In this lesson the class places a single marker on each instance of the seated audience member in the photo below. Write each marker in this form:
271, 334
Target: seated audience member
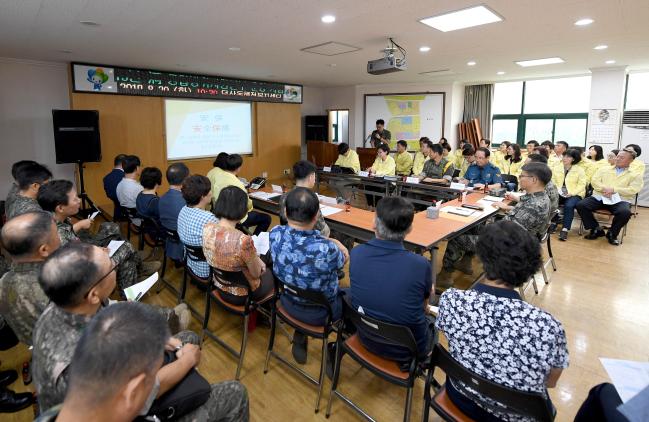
572, 184
13, 190
637, 166
446, 150
457, 155
169, 207
531, 212
498, 155
617, 183
30, 178
602, 405
493, 332
147, 201
60, 198
468, 158
403, 159
513, 161
347, 158
437, 169
129, 188
550, 188
611, 157
229, 249
384, 165
485, 143
197, 192
228, 177
111, 180
560, 148
596, 159
78, 279
217, 171
107, 384
552, 156
304, 174
482, 174
422, 155
390, 283
303, 258
530, 146
29, 239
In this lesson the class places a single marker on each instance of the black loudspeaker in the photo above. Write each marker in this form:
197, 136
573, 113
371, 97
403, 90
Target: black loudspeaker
315, 128
76, 136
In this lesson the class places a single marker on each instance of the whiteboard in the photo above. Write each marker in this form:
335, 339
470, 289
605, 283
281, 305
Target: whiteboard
407, 116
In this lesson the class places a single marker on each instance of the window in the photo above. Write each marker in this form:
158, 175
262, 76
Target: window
636, 92
338, 126
548, 109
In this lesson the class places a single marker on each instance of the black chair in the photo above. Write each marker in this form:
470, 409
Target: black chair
195, 254
134, 224
386, 369
515, 402
509, 179
312, 298
119, 214
167, 234
543, 240
232, 279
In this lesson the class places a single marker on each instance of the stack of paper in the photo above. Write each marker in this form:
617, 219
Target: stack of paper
327, 200
326, 210
136, 291
464, 212
614, 199
263, 195
629, 377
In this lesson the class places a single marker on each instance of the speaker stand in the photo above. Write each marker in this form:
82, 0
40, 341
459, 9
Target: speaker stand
84, 211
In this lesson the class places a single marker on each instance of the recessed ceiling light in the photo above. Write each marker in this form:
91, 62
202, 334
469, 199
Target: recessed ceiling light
471, 63
539, 62
500, 73
610, 62
234, 48
332, 65
584, 22
89, 23
424, 49
600, 47
460, 19
328, 19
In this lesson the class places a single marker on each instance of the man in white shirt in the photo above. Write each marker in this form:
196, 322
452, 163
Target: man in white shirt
129, 188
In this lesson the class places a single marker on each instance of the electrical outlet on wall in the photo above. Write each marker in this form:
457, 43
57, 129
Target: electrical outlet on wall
287, 171
264, 174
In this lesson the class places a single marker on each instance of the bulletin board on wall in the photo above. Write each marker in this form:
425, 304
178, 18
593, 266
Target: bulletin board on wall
408, 116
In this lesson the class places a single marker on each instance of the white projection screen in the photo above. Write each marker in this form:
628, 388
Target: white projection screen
199, 129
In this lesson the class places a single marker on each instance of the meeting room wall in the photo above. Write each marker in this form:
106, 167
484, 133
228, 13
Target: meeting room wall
312, 105
135, 125
353, 97
31, 90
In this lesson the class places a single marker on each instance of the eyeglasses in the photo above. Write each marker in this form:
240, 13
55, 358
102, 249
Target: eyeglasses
96, 283
525, 175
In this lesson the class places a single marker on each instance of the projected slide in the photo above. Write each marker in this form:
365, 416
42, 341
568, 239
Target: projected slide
197, 129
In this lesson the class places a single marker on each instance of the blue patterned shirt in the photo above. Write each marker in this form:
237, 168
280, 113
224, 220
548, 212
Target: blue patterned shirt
190, 230
305, 259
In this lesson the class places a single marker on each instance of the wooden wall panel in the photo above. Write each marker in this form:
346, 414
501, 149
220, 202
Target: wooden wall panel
135, 125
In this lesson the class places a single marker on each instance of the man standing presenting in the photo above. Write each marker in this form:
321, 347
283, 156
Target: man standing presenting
380, 135
617, 185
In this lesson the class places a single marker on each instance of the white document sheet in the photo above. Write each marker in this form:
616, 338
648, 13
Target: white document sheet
262, 243
465, 212
93, 215
614, 199
326, 210
113, 246
136, 291
490, 198
629, 377
263, 195
327, 200
277, 188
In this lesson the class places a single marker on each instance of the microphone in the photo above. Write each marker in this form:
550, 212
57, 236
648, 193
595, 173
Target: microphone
366, 139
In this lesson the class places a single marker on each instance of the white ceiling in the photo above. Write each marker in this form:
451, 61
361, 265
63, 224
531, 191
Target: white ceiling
194, 36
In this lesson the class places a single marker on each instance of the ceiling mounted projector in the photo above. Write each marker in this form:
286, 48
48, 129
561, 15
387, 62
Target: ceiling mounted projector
389, 63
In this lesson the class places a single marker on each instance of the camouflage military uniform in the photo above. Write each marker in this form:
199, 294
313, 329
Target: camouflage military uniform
128, 260
227, 402
11, 197
438, 171
22, 300
531, 212
4, 265
56, 335
553, 194
21, 205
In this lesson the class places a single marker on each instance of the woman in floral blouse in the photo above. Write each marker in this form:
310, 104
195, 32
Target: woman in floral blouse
494, 333
229, 249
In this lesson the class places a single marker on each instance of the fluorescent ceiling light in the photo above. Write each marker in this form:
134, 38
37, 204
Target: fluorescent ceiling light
600, 47
471, 63
539, 62
424, 49
584, 22
328, 19
500, 73
234, 48
610, 61
465, 18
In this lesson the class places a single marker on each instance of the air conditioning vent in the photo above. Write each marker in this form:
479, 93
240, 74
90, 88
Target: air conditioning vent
636, 117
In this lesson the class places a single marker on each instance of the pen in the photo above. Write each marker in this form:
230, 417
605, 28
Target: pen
139, 295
